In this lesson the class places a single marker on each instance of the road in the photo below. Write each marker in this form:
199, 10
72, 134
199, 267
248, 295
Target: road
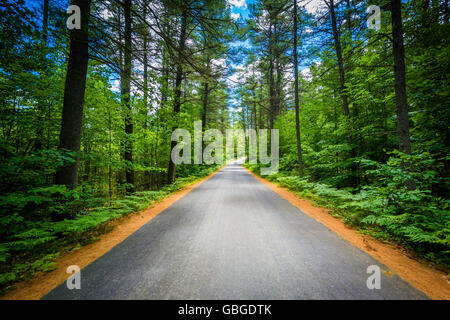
232, 237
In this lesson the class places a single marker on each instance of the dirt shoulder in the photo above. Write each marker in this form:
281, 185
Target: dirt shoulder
43, 283
434, 283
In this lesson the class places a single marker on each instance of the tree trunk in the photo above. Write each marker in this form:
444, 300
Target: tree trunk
110, 156
271, 80
205, 90
147, 176
338, 48
349, 21
254, 112
205, 104
446, 11
297, 108
261, 98
126, 98
400, 78
145, 109
345, 104
75, 85
177, 91
38, 143
278, 88
45, 24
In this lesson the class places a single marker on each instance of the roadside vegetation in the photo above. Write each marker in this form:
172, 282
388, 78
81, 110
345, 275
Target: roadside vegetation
41, 223
385, 208
364, 129
86, 116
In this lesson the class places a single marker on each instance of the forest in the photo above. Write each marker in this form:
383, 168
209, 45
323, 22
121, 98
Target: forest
87, 112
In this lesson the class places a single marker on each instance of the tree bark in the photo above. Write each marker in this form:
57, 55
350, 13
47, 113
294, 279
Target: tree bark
342, 82
177, 91
45, 24
297, 108
38, 143
446, 11
338, 48
278, 70
145, 109
349, 21
400, 78
205, 90
205, 104
74, 90
271, 80
126, 98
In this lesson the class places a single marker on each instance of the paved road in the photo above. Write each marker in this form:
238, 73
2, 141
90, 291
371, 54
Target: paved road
233, 238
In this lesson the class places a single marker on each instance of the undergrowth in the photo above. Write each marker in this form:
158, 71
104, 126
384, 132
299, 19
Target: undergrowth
386, 208
37, 225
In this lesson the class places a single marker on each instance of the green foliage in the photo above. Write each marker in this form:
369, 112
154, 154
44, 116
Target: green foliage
21, 270
349, 158
37, 217
31, 239
22, 172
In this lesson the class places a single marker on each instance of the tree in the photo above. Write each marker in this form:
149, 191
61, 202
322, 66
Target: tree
340, 59
72, 115
126, 97
297, 111
342, 78
178, 82
398, 50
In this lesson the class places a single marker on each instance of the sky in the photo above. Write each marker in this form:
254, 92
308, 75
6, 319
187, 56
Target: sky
239, 8
240, 11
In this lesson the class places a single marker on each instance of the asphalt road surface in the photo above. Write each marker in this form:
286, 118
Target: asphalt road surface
233, 238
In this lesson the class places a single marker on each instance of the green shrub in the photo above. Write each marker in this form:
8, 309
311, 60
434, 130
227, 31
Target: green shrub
35, 224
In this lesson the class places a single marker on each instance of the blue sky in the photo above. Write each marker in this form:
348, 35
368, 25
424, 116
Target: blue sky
239, 8
239, 11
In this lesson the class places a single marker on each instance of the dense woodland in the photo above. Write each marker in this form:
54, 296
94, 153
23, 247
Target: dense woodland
87, 114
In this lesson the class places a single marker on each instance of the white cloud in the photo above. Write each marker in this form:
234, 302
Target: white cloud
235, 16
219, 65
234, 79
190, 42
306, 74
252, 69
314, 6
237, 3
115, 85
106, 14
